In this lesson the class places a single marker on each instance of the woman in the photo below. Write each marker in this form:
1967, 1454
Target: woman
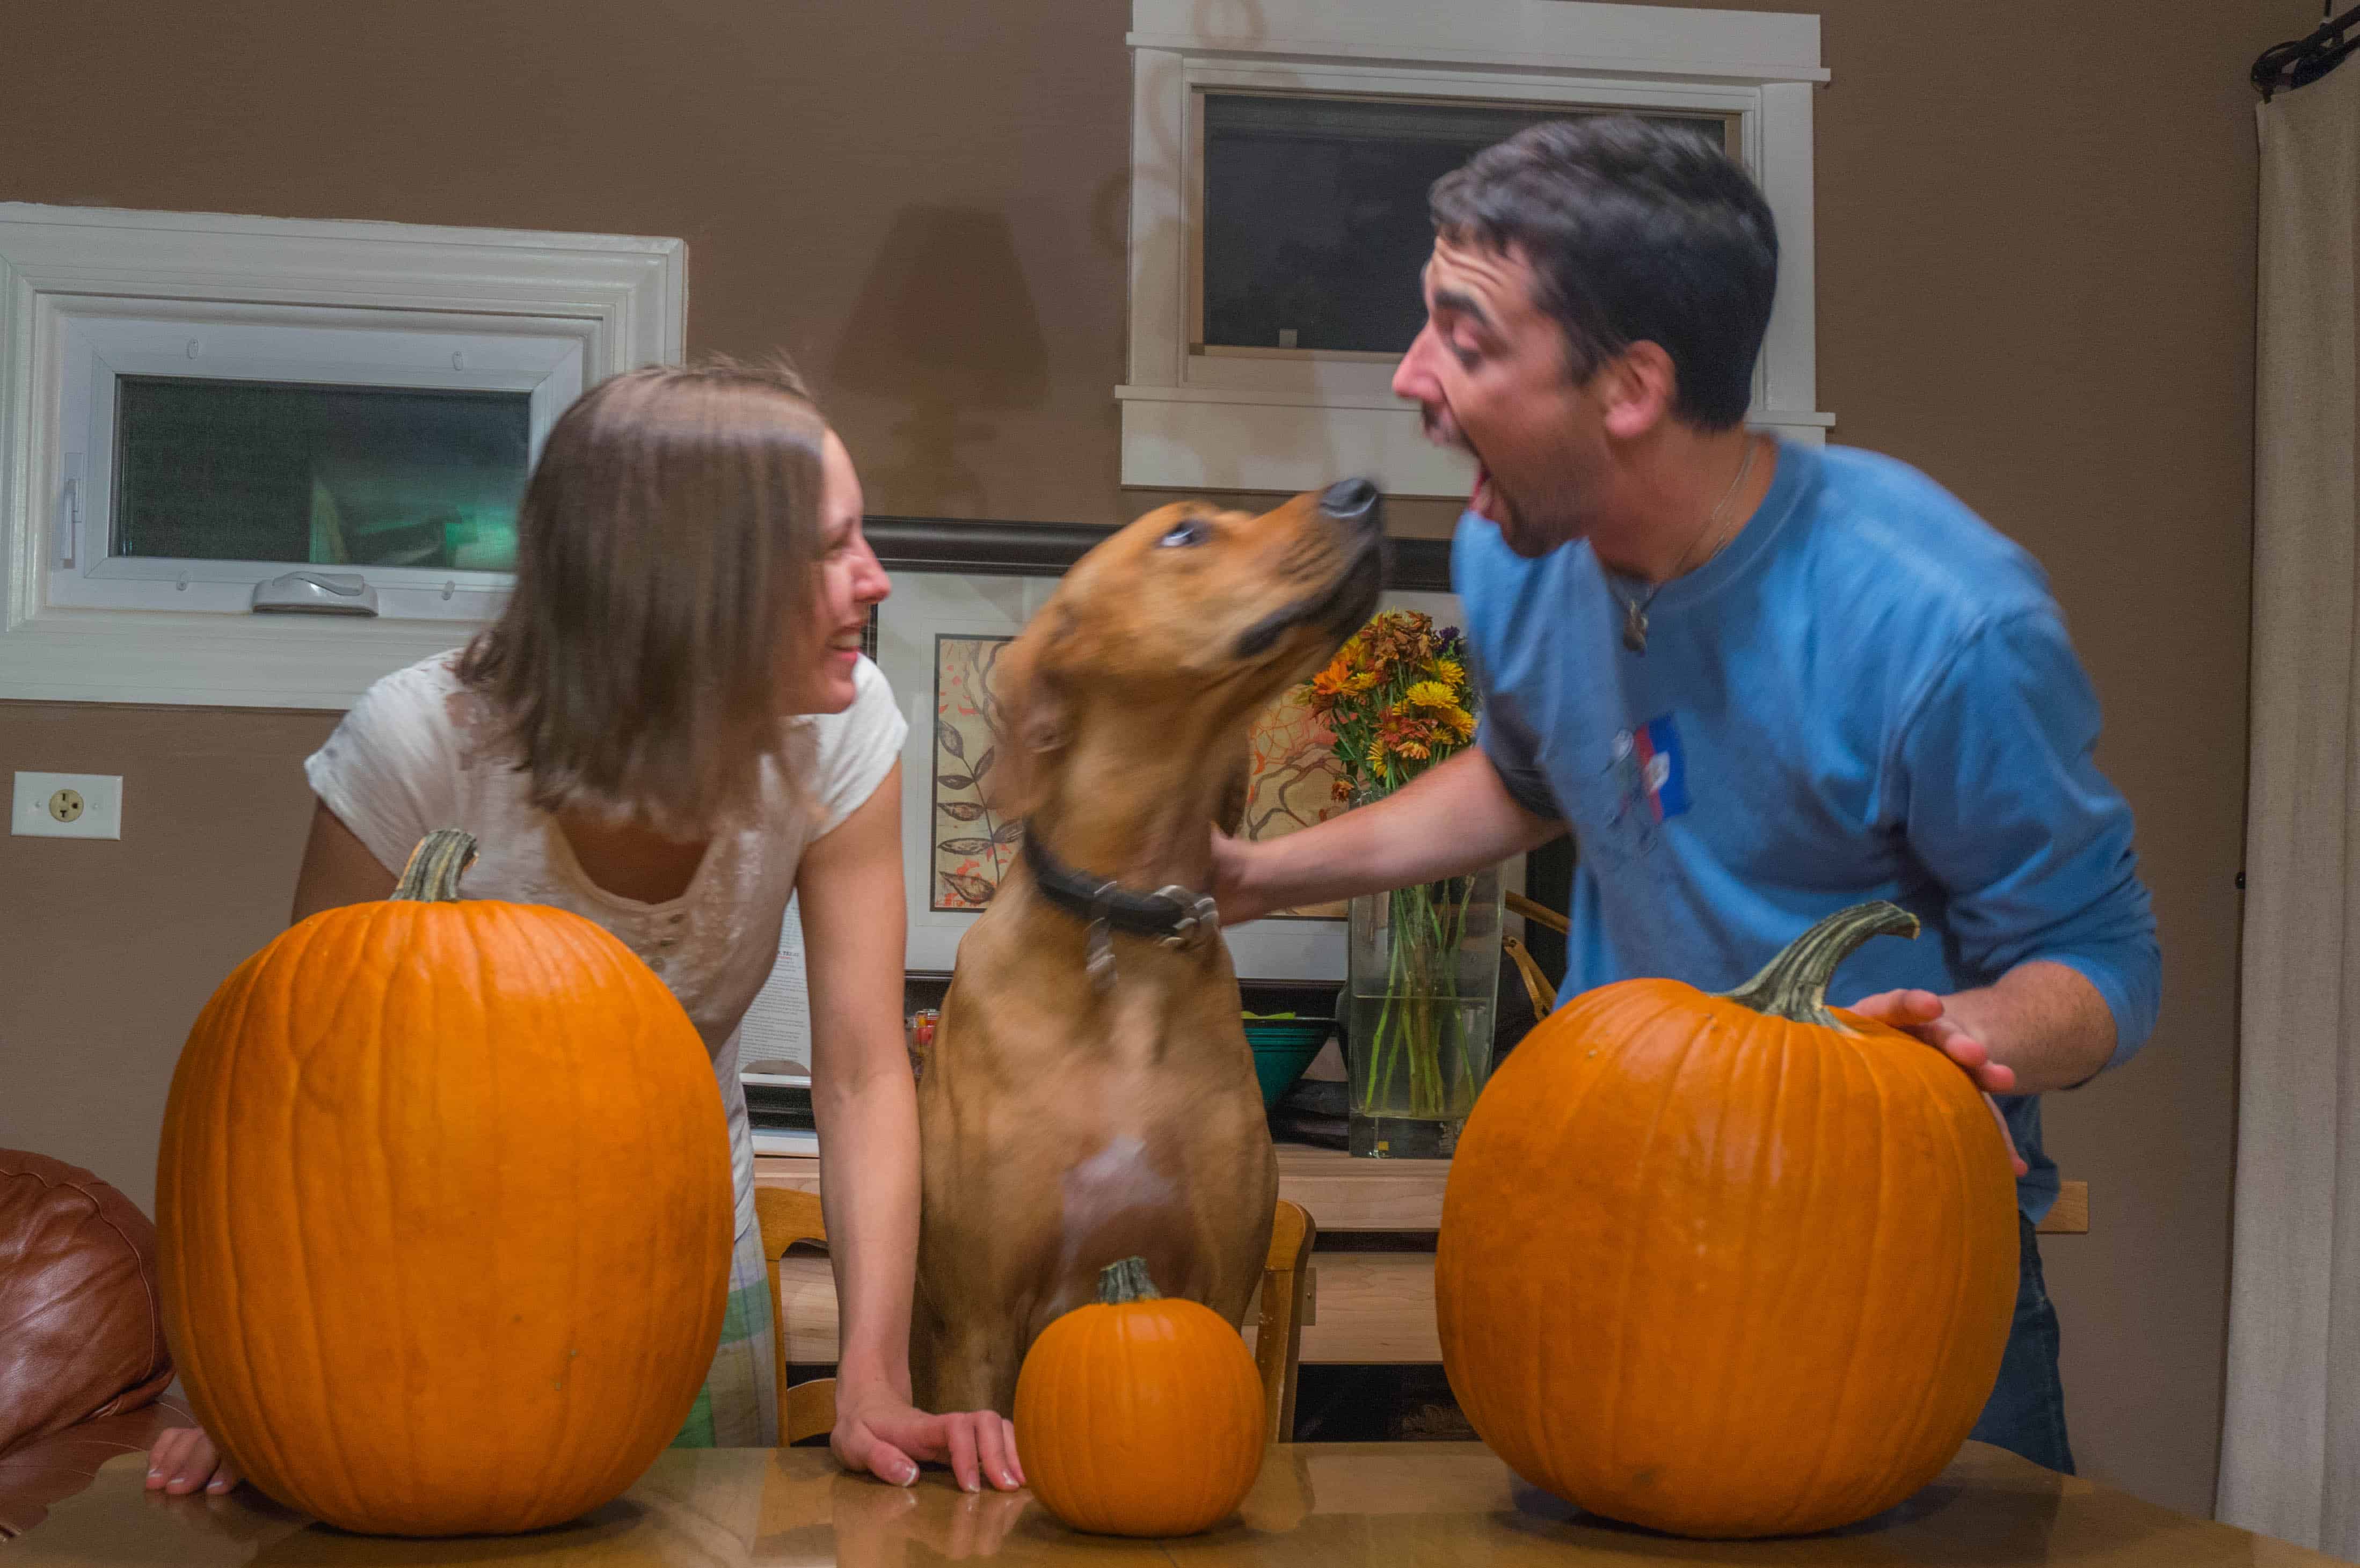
669, 730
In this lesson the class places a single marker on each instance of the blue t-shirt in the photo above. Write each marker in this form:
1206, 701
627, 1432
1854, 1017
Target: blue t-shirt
1868, 694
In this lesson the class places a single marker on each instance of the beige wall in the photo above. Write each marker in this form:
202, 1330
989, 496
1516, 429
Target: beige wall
2035, 281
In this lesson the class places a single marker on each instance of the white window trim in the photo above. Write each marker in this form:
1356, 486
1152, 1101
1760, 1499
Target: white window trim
597, 304
1193, 420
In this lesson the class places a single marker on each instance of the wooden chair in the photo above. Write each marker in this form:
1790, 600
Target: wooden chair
791, 1217
1278, 1327
1536, 985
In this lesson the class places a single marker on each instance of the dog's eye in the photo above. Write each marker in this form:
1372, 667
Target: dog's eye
1183, 534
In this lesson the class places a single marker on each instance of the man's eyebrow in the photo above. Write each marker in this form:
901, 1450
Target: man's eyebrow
1466, 304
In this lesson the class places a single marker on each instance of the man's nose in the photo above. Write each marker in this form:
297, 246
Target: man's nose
1412, 379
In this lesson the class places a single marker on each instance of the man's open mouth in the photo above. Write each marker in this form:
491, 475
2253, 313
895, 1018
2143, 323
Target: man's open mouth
1484, 500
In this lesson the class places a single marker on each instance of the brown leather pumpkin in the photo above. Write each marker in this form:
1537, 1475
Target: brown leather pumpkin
80, 1334
445, 1210
1728, 1266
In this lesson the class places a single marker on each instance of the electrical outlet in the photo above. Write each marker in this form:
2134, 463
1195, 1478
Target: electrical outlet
68, 805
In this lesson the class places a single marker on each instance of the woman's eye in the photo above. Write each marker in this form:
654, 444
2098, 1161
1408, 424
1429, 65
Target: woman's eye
1182, 535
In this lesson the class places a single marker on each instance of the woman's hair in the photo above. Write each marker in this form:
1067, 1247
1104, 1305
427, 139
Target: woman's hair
667, 539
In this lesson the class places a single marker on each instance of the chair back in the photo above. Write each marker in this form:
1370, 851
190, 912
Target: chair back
791, 1217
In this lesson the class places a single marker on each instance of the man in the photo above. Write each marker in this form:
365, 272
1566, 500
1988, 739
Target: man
1758, 682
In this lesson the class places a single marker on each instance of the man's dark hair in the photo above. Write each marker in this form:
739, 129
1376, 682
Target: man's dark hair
1636, 230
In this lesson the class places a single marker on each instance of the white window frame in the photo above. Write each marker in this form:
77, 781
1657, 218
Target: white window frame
328, 347
1283, 420
88, 295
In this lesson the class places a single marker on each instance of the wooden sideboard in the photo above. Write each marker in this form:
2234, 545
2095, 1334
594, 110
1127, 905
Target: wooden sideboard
1371, 1295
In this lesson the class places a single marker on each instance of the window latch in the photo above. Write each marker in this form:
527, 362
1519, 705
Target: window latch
70, 513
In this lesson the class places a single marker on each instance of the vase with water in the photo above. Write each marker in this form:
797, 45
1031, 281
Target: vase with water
1423, 977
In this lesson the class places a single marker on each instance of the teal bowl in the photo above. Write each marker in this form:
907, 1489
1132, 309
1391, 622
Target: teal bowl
1283, 1048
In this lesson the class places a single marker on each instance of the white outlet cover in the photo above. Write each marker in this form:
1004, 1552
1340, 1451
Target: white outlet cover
102, 808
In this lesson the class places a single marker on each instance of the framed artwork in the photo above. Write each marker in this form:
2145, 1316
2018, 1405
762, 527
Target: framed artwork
961, 592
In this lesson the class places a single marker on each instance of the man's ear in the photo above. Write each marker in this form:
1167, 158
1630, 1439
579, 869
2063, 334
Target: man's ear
1636, 389
1029, 713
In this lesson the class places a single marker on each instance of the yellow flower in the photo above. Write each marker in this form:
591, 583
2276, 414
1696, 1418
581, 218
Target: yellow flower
1361, 683
1449, 671
1376, 757
1415, 750
1430, 694
1460, 720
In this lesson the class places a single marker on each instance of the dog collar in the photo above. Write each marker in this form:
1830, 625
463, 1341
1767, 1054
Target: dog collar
1178, 917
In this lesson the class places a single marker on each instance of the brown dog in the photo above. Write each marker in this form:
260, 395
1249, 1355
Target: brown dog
1089, 1095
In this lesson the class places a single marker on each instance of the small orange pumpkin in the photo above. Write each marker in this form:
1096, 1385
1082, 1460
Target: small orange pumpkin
444, 1211
1728, 1266
1140, 1414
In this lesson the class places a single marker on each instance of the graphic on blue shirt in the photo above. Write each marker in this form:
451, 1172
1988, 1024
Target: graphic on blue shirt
1651, 773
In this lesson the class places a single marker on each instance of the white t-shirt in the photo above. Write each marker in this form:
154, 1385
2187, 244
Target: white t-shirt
420, 751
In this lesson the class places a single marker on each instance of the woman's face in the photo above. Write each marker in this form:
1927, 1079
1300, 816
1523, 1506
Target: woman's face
824, 646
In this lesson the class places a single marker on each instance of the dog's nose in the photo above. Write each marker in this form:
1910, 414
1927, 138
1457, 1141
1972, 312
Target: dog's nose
1350, 501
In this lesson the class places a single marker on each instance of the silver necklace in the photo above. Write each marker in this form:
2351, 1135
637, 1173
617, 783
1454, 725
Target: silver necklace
1634, 611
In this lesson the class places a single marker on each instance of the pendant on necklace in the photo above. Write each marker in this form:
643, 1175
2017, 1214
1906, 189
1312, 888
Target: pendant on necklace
1635, 627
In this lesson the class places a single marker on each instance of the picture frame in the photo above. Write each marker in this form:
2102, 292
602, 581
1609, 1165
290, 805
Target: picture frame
962, 589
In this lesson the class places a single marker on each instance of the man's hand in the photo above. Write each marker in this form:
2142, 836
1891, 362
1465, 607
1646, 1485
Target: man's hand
183, 1459
889, 1437
1922, 1013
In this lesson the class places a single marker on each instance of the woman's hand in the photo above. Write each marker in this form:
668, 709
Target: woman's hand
184, 1459
889, 1437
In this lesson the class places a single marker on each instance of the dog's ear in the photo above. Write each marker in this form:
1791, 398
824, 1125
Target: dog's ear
1229, 816
1025, 702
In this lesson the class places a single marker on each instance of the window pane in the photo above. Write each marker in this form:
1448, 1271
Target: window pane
1314, 213
215, 470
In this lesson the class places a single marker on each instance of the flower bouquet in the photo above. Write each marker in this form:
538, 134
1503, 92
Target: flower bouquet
1424, 961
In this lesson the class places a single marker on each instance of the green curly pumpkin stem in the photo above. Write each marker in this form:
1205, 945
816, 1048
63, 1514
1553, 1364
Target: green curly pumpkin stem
1127, 1281
435, 867
1794, 985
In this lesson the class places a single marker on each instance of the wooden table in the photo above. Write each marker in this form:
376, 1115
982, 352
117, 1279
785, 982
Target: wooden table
1395, 1505
1365, 1307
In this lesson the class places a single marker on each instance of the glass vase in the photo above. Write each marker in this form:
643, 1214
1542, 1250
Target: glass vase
1424, 976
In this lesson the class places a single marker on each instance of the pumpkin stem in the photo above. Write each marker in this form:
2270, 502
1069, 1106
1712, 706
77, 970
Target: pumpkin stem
1794, 985
435, 867
1127, 1281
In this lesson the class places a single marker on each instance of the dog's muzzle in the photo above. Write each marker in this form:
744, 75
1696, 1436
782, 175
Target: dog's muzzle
1351, 596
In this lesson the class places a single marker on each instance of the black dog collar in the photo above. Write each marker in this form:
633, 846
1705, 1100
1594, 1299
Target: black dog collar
1178, 917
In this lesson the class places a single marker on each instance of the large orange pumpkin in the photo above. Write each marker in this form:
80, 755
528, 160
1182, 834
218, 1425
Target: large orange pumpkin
444, 1211
1138, 1414
1728, 1266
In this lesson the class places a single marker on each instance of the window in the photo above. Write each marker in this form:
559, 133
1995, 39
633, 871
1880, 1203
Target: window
201, 459
329, 475
1279, 209
1314, 216
204, 404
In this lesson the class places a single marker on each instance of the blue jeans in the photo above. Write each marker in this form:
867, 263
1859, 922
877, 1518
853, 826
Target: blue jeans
2026, 1413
